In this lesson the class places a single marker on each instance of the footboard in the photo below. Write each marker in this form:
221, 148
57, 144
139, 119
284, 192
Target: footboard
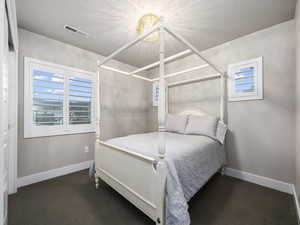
139, 178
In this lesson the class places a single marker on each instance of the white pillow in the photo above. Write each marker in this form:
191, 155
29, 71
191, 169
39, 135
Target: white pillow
176, 123
202, 125
221, 132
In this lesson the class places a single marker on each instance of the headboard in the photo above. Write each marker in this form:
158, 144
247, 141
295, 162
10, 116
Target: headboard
193, 112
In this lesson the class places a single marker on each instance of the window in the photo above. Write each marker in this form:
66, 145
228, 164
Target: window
245, 80
58, 99
155, 93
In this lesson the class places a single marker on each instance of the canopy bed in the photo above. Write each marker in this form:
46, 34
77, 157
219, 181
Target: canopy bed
156, 181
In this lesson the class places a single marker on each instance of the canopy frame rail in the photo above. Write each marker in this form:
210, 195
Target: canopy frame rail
168, 59
131, 43
188, 81
182, 72
192, 48
126, 73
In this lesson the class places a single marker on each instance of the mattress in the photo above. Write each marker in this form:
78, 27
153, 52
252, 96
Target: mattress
191, 161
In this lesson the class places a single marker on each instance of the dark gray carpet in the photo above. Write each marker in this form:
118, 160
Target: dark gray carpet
73, 200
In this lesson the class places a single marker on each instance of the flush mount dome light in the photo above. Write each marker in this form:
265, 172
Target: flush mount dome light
146, 22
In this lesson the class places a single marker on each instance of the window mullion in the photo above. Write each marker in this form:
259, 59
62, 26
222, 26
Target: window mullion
66, 103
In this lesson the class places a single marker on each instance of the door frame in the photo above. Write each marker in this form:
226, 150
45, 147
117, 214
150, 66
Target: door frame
13, 100
13, 123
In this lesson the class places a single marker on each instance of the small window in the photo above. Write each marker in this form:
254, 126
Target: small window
58, 99
245, 80
155, 93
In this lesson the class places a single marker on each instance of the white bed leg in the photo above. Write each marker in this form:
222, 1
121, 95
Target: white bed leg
97, 181
161, 191
223, 170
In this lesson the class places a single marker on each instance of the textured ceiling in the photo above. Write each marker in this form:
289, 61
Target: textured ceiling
112, 23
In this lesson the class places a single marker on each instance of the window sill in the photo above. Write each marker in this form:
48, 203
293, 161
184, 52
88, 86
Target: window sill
57, 133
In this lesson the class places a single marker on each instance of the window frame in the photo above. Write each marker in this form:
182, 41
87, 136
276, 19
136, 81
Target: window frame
31, 130
155, 93
258, 94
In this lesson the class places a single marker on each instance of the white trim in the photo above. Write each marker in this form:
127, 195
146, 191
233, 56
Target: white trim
30, 130
13, 122
260, 180
296, 203
59, 66
4, 100
42, 176
258, 94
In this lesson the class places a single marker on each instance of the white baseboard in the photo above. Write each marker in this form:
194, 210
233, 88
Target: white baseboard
296, 203
38, 177
260, 180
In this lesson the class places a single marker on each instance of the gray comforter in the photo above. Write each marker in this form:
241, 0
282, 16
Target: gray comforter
191, 160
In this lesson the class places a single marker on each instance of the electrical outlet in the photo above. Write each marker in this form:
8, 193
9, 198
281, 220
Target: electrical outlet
86, 149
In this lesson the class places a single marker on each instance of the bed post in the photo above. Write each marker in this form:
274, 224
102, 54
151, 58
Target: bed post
161, 164
98, 105
223, 100
222, 97
167, 97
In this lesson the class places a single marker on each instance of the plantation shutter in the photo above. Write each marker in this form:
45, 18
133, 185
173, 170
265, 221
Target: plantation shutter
48, 98
80, 100
246, 80
58, 100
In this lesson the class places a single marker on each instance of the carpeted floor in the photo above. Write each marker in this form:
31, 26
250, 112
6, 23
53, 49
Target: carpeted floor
73, 200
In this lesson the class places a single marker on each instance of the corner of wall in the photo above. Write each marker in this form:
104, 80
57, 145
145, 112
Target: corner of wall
297, 113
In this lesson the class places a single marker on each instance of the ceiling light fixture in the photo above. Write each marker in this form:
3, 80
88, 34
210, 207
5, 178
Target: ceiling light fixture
146, 22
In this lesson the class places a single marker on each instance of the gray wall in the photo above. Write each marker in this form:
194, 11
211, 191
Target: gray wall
297, 147
125, 102
262, 137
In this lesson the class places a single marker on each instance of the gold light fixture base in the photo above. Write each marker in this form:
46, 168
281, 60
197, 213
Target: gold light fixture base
146, 22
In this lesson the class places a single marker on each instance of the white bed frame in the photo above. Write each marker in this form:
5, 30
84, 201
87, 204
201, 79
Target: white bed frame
139, 178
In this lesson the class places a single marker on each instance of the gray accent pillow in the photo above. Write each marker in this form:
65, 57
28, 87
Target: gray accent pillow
175, 123
221, 132
202, 125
